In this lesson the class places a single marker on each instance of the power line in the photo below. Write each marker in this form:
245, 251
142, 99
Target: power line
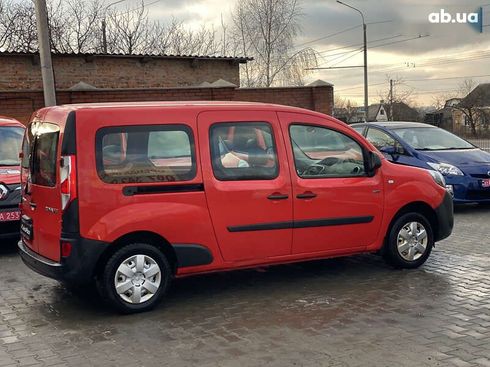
340, 55
447, 78
359, 44
139, 7
358, 87
339, 32
405, 40
328, 36
348, 57
437, 61
419, 80
381, 45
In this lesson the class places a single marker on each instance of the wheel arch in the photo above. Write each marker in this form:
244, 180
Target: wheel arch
148, 237
419, 207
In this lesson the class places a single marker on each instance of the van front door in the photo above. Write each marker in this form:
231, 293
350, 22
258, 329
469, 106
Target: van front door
337, 206
247, 183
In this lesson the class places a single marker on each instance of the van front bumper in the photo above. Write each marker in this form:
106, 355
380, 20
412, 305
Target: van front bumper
445, 218
78, 268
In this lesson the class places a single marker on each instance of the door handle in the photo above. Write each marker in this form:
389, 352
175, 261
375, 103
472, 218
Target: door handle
306, 195
33, 205
277, 196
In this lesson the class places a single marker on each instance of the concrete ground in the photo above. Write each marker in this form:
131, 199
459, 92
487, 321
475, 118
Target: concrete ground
343, 312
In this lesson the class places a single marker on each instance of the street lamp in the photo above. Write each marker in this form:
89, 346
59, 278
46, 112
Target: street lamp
104, 33
365, 59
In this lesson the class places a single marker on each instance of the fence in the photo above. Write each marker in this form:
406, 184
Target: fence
481, 143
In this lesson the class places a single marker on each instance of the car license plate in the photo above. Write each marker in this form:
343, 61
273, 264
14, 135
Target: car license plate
485, 182
9, 215
26, 228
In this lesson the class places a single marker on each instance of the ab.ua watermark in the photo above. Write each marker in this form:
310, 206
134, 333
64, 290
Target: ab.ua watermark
474, 20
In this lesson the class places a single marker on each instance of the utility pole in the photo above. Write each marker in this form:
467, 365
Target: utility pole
104, 36
364, 29
45, 53
391, 99
366, 102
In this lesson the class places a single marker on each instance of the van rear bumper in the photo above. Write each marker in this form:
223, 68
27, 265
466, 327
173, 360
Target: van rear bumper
78, 268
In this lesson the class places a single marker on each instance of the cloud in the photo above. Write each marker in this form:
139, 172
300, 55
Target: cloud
434, 57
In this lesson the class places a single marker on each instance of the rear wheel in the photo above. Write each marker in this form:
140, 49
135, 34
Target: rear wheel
135, 278
409, 242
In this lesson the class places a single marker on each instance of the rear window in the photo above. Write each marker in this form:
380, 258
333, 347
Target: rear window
144, 154
43, 139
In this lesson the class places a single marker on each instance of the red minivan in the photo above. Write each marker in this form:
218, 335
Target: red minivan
11, 133
128, 196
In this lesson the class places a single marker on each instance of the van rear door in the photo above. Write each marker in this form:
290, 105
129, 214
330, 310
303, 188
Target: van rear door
41, 204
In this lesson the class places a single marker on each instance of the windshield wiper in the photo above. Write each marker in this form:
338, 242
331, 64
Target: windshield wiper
449, 148
455, 148
9, 164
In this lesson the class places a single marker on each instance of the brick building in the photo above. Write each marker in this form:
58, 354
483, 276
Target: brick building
123, 78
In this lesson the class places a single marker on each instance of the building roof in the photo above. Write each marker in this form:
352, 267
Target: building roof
240, 59
373, 111
400, 111
478, 97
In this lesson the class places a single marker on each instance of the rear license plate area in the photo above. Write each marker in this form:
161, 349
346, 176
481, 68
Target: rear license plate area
26, 228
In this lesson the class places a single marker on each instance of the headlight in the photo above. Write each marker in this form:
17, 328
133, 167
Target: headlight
438, 178
446, 169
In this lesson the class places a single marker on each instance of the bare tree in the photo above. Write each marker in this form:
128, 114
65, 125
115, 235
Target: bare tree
266, 30
345, 109
18, 30
75, 27
474, 105
397, 99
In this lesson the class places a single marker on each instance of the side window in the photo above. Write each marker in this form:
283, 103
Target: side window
359, 129
380, 139
320, 152
243, 151
143, 154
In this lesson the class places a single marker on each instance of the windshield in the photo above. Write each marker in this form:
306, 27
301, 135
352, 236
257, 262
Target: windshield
430, 138
10, 145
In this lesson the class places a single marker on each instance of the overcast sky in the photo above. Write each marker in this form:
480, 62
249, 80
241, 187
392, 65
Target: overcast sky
449, 50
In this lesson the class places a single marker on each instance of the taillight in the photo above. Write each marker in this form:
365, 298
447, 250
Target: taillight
68, 177
66, 248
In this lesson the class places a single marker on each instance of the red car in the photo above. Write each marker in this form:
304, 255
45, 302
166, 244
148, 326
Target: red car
128, 196
11, 133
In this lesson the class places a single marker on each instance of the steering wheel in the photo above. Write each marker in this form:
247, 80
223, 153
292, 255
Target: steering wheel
329, 161
319, 168
314, 169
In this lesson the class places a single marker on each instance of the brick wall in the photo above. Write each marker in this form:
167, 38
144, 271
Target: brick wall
23, 71
20, 104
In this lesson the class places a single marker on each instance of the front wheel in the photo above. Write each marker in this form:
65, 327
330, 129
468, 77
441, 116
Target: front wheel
409, 242
135, 278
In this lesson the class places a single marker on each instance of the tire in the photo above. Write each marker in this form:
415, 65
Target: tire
409, 241
127, 271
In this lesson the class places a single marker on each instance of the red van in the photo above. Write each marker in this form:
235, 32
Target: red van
129, 196
11, 133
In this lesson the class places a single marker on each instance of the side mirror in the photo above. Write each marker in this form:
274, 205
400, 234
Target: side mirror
391, 150
373, 163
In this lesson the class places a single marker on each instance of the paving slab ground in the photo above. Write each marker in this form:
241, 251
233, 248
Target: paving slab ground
353, 311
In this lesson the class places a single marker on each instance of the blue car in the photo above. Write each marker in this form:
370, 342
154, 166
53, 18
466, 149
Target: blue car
465, 167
